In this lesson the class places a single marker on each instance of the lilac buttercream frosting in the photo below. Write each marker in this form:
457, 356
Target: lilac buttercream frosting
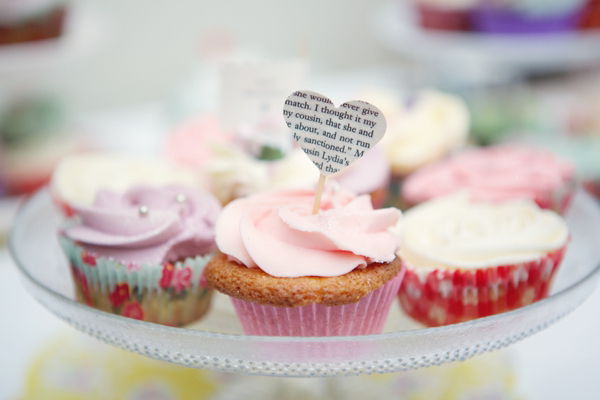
147, 225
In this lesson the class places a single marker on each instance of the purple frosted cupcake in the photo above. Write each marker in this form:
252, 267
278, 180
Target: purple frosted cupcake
527, 16
141, 254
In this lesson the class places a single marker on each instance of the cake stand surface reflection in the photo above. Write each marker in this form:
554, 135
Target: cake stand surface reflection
214, 343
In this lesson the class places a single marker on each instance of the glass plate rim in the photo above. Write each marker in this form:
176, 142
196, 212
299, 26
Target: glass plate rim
31, 201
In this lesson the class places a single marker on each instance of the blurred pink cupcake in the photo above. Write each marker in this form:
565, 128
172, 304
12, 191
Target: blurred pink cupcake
467, 259
292, 273
250, 160
496, 173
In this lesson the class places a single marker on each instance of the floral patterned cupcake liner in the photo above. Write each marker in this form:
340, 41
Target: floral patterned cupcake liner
438, 297
169, 294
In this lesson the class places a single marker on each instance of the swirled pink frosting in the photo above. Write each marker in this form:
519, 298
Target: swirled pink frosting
493, 173
188, 143
276, 232
179, 223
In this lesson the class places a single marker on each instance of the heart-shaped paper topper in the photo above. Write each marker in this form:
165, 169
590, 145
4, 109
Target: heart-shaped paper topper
331, 137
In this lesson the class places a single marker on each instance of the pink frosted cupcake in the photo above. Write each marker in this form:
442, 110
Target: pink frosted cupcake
291, 273
140, 254
252, 160
496, 173
467, 259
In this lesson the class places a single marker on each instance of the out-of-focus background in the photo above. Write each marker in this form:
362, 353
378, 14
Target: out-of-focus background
81, 75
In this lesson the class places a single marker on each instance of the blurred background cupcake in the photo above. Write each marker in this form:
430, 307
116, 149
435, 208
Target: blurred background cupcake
249, 159
527, 16
497, 173
421, 128
31, 20
444, 15
34, 137
590, 18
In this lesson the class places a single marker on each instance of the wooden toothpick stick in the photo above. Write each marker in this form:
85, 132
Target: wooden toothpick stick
318, 194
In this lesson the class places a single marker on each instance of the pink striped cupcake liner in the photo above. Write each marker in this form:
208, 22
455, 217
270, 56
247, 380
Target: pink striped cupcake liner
367, 316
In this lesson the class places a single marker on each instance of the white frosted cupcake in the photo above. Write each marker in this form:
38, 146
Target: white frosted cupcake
423, 128
467, 259
78, 178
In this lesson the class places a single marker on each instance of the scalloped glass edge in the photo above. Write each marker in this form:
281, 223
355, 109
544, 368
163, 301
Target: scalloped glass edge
305, 357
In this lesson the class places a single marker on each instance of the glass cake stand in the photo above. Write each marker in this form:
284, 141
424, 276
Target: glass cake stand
217, 343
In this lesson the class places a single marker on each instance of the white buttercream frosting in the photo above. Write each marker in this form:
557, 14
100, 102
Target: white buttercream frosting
233, 173
454, 232
78, 178
422, 129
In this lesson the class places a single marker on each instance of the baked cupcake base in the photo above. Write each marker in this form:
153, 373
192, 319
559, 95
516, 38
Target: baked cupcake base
352, 304
438, 297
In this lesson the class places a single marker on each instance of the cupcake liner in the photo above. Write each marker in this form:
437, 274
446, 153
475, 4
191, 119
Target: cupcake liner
492, 20
436, 18
170, 294
437, 297
367, 316
48, 26
591, 15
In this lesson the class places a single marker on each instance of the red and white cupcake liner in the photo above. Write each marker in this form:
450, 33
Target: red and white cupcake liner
367, 316
435, 18
438, 297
